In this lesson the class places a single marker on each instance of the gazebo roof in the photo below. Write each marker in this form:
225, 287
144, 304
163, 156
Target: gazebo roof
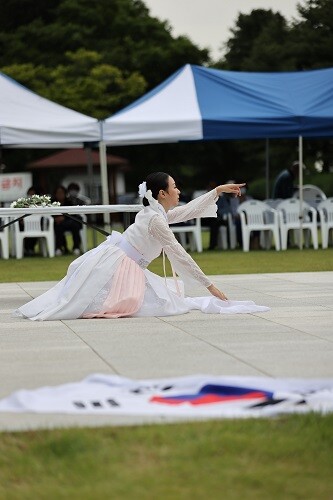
75, 158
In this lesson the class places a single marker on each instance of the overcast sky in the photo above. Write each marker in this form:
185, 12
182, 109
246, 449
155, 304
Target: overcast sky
207, 22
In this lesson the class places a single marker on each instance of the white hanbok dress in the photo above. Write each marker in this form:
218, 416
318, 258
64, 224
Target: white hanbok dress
112, 280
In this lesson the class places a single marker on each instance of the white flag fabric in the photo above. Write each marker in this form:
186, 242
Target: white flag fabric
192, 396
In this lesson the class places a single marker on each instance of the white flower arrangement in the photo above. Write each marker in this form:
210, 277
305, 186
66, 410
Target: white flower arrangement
35, 200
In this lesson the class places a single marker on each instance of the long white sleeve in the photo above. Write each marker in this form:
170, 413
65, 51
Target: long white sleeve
181, 261
203, 206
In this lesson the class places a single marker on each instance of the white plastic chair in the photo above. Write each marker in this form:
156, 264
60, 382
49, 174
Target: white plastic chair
273, 202
227, 235
4, 239
35, 226
254, 216
198, 193
325, 209
194, 232
289, 216
313, 195
222, 238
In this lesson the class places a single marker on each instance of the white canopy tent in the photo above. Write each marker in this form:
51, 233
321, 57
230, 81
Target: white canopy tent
28, 120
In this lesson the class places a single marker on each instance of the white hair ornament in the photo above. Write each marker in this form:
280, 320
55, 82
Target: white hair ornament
142, 189
144, 193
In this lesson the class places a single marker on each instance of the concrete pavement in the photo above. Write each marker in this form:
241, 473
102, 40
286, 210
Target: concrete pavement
293, 339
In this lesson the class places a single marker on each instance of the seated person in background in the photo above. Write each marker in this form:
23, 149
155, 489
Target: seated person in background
33, 190
73, 190
254, 244
228, 204
63, 224
225, 204
284, 183
29, 243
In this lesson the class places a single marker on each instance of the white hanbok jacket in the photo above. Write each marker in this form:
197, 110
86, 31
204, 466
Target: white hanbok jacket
112, 280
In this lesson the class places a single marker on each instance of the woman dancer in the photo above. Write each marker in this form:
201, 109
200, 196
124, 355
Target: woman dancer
112, 280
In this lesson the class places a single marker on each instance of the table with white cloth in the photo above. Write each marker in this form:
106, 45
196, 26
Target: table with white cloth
15, 213
73, 210
78, 209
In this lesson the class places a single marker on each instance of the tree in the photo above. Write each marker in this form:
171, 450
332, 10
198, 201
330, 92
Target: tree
311, 39
121, 31
93, 56
264, 41
258, 43
84, 83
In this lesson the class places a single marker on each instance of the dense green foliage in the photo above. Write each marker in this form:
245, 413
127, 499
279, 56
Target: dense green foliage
82, 82
258, 43
257, 188
264, 41
95, 56
98, 56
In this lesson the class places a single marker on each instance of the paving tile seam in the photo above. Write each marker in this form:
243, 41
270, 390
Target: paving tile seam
48, 349
223, 351
25, 291
282, 282
291, 296
289, 280
296, 330
289, 275
242, 286
93, 350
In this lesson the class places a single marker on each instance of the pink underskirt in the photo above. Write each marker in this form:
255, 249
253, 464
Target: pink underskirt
126, 294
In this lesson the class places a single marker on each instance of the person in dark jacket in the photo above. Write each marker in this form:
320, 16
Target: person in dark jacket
284, 185
64, 224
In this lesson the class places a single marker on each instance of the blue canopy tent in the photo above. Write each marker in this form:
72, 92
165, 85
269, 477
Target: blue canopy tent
197, 103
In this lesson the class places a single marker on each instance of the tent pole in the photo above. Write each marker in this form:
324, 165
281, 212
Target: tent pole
90, 174
104, 180
267, 168
2, 168
90, 167
300, 188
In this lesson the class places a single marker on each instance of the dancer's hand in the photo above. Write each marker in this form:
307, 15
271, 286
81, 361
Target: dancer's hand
230, 188
216, 292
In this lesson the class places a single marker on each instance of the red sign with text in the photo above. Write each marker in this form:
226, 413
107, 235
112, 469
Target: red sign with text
14, 186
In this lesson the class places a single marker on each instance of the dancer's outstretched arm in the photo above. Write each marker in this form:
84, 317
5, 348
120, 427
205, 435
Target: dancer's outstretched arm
230, 188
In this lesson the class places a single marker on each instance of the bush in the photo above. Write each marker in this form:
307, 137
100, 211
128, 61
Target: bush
324, 181
257, 188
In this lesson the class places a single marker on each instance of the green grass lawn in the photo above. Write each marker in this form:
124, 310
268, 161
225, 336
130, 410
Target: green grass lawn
281, 458
217, 262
